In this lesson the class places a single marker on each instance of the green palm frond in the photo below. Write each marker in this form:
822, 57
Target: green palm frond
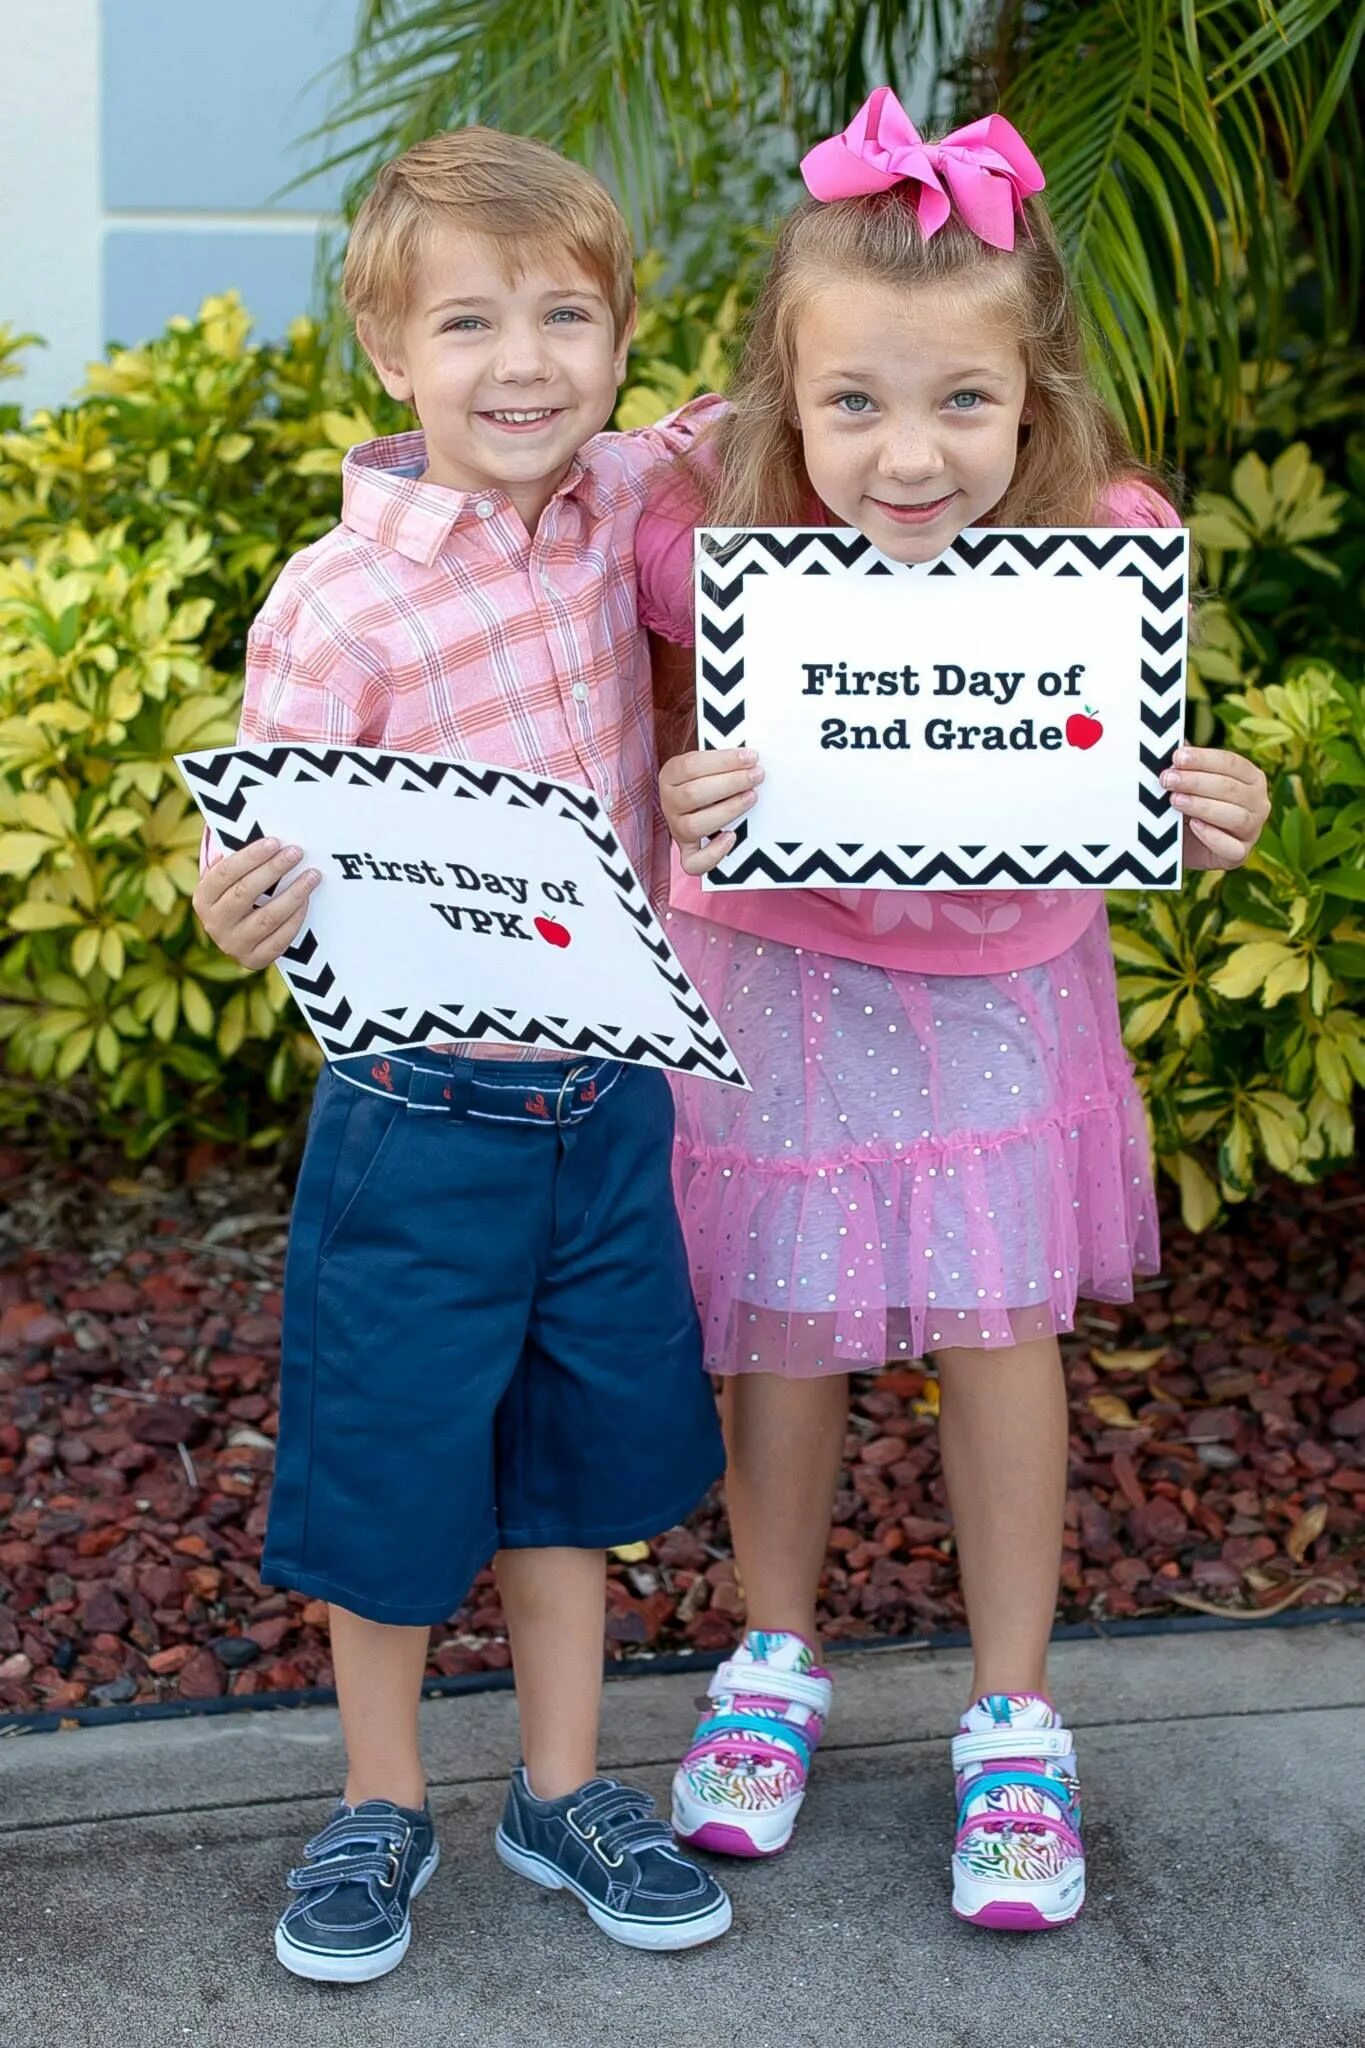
1194, 149
639, 86
1174, 155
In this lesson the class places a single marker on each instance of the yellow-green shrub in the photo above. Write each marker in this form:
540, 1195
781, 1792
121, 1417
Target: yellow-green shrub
140, 530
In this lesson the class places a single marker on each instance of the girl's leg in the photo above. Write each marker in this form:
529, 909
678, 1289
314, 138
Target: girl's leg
1018, 1863
555, 1602
740, 1785
785, 1443
1003, 1434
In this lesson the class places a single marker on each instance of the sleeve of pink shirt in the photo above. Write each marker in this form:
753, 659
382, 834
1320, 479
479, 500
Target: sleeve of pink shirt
302, 688
663, 549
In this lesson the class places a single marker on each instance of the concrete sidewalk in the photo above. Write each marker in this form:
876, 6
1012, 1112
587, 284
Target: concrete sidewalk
142, 1870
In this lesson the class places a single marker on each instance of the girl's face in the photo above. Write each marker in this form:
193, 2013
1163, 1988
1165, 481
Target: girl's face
909, 406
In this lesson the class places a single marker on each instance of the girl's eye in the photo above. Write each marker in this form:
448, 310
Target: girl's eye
967, 401
856, 403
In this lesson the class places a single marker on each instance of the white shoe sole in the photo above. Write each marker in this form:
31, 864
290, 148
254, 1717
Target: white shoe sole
621, 1927
725, 1832
354, 1969
1018, 1907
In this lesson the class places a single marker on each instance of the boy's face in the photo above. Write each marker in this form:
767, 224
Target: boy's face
508, 376
910, 405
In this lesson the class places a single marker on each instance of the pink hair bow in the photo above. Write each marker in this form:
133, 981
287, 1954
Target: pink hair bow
984, 170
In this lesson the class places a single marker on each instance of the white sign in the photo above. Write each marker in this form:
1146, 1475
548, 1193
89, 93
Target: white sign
997, 718
461, 903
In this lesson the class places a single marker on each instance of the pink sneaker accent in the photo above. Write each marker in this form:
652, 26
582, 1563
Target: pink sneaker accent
740, 1786
1018, 1860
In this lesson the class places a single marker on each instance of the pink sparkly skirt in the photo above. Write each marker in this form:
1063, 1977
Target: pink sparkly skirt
925, 1161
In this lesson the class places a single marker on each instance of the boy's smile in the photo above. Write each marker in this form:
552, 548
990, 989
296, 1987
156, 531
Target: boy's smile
509, 375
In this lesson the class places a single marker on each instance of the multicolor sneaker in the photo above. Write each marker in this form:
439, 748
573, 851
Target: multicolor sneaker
1018, 1863
740, 1786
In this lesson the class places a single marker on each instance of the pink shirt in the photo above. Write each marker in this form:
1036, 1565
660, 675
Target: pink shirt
430, 622
919, 931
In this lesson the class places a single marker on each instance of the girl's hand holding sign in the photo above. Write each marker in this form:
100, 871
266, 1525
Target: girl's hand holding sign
1225, 801
702, 795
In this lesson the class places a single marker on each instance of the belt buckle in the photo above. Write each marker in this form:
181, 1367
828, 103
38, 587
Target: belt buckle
574, 1075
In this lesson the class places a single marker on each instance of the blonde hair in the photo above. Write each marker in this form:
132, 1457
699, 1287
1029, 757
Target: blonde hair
1072, 447
532, 203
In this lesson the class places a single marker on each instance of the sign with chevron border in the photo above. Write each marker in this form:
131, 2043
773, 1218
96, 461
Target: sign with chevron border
996, 718
461, 903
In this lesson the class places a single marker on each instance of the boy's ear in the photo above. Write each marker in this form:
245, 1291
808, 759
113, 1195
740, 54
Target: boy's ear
383, 355
623, 341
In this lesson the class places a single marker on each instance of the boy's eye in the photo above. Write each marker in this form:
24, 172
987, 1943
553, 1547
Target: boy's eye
856, 403
463, 323
568, 314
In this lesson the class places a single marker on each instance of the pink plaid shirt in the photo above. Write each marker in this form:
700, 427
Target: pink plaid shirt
429, 622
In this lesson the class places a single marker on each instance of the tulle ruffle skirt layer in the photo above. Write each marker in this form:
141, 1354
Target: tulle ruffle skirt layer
925, 1161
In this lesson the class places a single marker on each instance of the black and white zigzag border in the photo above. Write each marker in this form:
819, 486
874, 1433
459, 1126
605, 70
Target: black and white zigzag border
224, 783
1159, 559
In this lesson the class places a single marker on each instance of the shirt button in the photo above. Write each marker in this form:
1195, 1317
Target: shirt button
484, 508
580, 691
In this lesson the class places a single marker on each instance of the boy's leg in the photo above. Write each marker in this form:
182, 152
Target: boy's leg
379, 1687
607, 1434
554, 1601
411, 1270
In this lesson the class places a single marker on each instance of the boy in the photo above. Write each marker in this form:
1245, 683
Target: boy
489, 1336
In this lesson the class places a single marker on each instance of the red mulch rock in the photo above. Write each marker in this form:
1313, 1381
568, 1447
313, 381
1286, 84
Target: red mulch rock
1217, 1450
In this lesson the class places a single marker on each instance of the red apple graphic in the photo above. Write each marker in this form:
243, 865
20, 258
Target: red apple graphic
553, 934
1083, 729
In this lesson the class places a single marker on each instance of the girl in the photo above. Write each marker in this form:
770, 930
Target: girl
944, 1144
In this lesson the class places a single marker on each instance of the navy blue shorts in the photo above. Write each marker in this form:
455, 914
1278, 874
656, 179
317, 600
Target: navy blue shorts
489, 1336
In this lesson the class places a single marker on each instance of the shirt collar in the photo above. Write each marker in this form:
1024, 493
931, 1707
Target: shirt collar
382, 504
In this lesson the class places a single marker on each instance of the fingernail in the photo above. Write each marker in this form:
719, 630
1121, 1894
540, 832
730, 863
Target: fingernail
1182, 803
313, 877
747, 754
1182, 757
1170, 780
294, 853
268, 845
756, 777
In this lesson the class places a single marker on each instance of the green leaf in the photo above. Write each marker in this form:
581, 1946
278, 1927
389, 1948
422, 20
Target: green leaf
1345, 882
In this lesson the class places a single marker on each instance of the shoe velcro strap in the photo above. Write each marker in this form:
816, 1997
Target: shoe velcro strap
712, 1730
1008, 1781
757, 1681
1011, 1742
311, 1877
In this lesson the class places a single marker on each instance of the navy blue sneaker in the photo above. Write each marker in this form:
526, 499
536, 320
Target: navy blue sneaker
358, 1877
607, 1844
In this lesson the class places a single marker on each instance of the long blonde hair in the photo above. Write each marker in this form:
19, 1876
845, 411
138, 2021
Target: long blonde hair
1073, 446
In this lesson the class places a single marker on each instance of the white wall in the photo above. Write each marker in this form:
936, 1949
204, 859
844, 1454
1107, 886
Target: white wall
50, 214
